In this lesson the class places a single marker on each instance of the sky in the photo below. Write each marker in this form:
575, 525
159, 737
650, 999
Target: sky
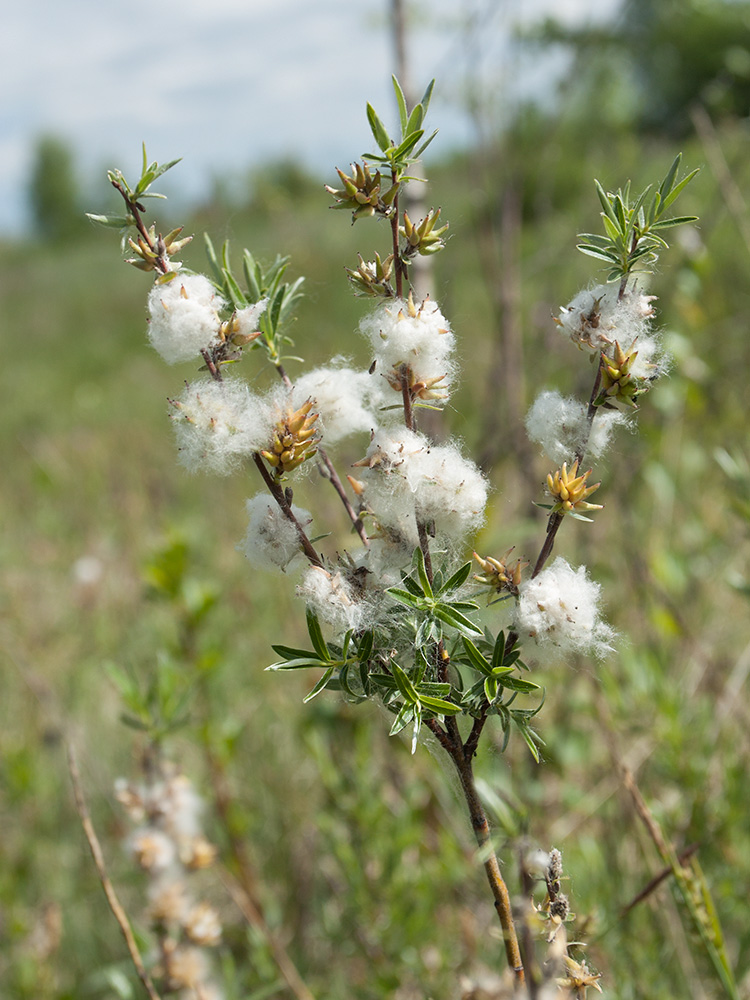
230, 84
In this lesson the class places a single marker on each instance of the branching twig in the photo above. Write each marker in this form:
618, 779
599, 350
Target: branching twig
278, 494
96, 852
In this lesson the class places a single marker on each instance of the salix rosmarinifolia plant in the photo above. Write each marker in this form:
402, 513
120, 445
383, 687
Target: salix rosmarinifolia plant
396, 617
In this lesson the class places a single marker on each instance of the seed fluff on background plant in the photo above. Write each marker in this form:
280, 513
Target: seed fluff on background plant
395, 617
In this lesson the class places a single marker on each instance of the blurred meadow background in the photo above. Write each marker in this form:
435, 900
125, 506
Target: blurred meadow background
113, 555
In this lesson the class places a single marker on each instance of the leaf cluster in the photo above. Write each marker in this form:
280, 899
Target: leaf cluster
260, 283
399, 155
133, 196
632, 230
158, 706
408, 668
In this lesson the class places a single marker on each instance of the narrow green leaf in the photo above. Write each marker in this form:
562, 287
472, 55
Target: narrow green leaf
427, 96
405, 686
299, 663
477, 660
316, 636
605, 202
415, 731
320, 686
678, 220
248, 267
434, 689
419, 564
415, 119
378, 129
364, 646
666, 185
490, 689
678, 189
111, 221
455, 619
518, 684
291, 652
405, 597
419, 152
438, 705
235, 292
403, 114
403, 150
622, 221
212, 259
458, 579
613, 230
404, 717
600, 255
530, 737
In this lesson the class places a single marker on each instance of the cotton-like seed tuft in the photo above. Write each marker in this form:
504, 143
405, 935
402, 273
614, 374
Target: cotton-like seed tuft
272, 541
597, 317
183, 317
407, 481
218, 424
560, 606
401, 334
334, 599
345, 399
558, 424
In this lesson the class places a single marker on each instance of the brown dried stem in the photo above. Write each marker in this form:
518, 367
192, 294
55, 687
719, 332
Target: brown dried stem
96, 852
481, 829
279, 496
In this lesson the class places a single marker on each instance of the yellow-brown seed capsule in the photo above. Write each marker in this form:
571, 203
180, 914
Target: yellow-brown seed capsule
424, 389
619, 387
569, 490
294, 439
500, 574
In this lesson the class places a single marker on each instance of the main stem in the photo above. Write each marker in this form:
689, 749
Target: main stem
481, 828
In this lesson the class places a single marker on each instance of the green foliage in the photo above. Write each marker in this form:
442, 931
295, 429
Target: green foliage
133, 196
433, 614
260, 283
633, 239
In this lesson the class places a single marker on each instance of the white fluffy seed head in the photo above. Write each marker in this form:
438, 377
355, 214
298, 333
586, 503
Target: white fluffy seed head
219, 423
558, 424
597, 317
334, 600
345, 399
560, 606
408, 480
183, 316
420, 338
247, 318
272, 541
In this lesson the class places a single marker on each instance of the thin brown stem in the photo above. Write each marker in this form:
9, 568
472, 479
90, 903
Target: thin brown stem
278, 494
210, 364
333, 477
135, 209
556, 519
481, 829
109, 891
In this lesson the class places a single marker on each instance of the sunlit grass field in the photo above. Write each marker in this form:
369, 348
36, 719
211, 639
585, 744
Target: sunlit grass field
364, 863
